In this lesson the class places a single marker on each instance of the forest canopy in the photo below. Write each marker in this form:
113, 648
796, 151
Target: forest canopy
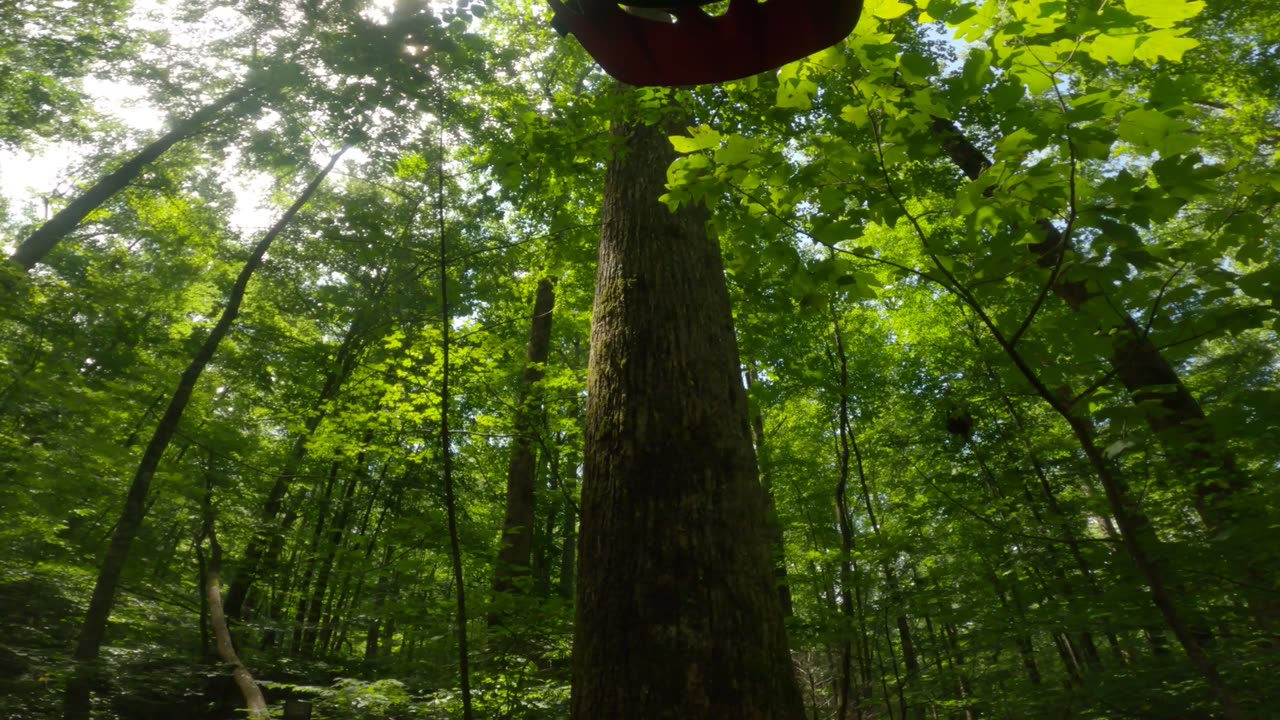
371, 359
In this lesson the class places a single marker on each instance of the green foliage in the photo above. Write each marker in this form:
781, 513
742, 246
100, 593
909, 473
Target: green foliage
846, 192
46, 49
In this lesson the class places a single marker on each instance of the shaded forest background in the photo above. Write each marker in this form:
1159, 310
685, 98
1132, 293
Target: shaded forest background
1004, 277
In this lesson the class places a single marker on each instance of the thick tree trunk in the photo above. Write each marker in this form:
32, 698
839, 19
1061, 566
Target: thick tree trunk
517, 528
677, 614
39, 243
130, 522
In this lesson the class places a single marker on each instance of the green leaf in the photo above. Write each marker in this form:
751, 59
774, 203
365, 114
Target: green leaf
1166, 44
1152, 130
700, 138
886, 9
1164, 13
684, 144
1033, 68
795, 89
737, 150
1113, 47
917, 67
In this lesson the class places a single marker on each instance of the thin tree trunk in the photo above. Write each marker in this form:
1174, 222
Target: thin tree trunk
372, 646
334, 623
261, 550
253, 698
893, 662
540, 565
280, 591
389, 635
845, 430
201, 568
677, 614
1064, 529
568, 529
313, 557
1026, 647
1069, 656
38, 244
338, 529
773, 523
517, 527
339, 619
956, 659
1138, 536
1136, 532
95, 625
910, 661
446, 450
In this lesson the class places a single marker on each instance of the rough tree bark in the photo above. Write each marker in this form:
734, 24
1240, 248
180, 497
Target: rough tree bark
77, 699
677, 613
517, 532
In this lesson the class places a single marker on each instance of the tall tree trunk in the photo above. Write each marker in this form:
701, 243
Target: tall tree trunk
568, 552
540, 565
677, 614
446, 449
1060, 524
339, 618
773, 523
845, 521
956, 658
95, 625
522, 467
38, 244
850, 443
372, 646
